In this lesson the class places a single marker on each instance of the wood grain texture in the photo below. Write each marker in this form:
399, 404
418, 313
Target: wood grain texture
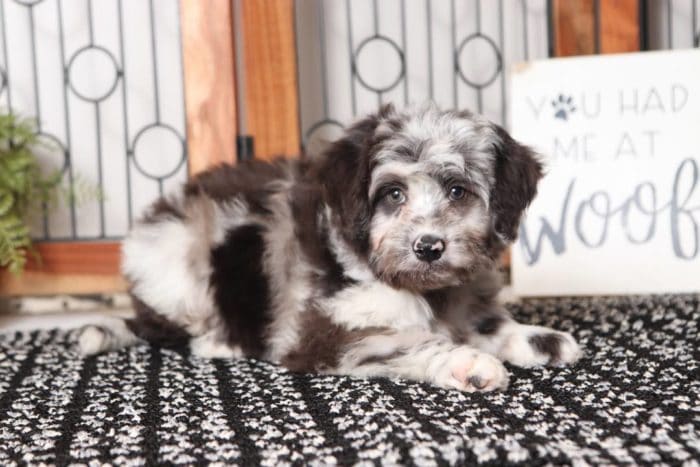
70, 267
210, 87
77, 258
574, 27
270, 96
42, 283
619, 26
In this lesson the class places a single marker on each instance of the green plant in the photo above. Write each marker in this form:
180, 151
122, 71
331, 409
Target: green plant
23, 189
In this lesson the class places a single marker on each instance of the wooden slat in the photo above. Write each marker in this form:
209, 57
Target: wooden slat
70, 267
208, 60
574, 26
619, 26
270, 95
42, 283
100, 258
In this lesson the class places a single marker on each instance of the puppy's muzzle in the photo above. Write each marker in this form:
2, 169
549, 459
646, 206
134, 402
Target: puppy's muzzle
428, 248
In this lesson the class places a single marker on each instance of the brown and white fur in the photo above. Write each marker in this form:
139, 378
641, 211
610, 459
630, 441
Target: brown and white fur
378, 258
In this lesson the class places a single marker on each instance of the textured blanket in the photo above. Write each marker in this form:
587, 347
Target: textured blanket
633, 398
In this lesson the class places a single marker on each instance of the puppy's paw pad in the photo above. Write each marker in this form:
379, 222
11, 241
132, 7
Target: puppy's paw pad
477, 371
91, 340
560, 348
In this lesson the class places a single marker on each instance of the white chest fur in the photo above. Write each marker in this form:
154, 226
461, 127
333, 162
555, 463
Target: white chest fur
376, 304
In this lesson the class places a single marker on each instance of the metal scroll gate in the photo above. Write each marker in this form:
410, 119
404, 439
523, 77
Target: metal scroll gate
103, 82
356, 54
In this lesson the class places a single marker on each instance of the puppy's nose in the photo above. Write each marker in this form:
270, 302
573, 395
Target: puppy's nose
428, 248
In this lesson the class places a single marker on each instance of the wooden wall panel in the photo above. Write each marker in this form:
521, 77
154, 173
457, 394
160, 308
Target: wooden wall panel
619, 26
270, 96
210, 86
71, 267
101, 258
575, 28
42, 283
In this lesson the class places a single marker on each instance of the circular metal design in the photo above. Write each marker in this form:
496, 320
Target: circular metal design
90, 60
155, 137
379, 40
328, 122
497, 58
44, 150
314, 140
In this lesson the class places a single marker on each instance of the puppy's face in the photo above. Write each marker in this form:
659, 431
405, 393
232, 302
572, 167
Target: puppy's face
437, 194
429, 195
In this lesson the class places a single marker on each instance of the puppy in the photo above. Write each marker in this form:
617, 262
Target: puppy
378, 258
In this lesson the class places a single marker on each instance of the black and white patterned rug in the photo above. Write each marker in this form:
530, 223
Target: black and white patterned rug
633, 399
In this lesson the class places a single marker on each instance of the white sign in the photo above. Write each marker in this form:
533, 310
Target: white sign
618, 211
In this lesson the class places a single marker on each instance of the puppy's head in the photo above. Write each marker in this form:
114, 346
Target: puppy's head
427, 196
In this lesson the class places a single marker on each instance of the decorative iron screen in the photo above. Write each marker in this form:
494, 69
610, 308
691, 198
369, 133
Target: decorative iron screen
103, 80
357, 54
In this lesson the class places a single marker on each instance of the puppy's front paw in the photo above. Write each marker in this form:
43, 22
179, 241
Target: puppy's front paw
469, 370
92, 340
536, 346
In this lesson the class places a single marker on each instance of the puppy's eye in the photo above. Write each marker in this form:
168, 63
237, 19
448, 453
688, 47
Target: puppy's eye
396, 196
457, 192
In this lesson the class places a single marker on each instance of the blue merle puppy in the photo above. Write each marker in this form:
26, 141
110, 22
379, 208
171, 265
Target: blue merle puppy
377, 258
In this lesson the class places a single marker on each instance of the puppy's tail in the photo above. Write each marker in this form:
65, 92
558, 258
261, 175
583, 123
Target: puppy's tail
111, 334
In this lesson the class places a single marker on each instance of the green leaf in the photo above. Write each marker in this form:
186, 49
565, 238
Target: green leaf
7, 201
26, 191
14, 242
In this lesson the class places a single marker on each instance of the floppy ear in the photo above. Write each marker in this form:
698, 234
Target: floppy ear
344, 175
517, 172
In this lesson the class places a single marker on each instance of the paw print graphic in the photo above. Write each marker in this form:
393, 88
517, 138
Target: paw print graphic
563, 107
